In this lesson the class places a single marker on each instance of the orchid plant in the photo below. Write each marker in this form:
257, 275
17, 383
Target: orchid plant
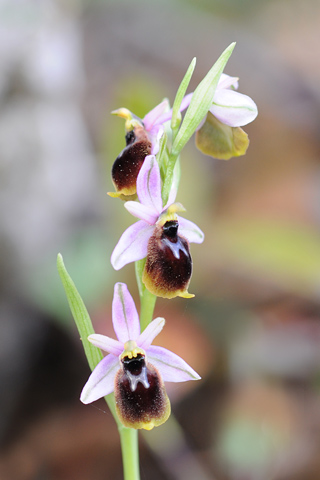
146, 175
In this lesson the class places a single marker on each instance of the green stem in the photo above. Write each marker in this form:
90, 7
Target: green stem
130, 453
129, 444
139, 266
148, 301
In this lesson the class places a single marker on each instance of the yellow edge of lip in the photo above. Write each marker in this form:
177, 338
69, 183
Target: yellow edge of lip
114, 194
186, 295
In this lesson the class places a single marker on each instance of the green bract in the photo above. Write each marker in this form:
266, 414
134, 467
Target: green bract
80, 314
84, 324
201, 102
176, 115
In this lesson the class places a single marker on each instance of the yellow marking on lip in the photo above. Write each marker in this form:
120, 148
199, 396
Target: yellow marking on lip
170, 213
131, 350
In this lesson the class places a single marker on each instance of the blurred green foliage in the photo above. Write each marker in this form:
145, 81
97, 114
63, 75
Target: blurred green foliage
284, 254
87, 257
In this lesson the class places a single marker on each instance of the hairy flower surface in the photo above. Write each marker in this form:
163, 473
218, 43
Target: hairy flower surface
128, 163
134, 369
160, 235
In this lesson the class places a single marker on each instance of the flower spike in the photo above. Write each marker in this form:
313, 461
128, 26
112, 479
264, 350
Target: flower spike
134, 369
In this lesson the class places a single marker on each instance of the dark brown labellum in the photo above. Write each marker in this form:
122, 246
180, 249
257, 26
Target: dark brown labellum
128, 163
168, 266
140, 395
130, 137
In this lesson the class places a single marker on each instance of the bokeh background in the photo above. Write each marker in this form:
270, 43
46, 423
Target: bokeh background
253, 329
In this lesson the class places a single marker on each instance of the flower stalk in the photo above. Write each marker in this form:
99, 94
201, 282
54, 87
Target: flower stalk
147, 304
130, 452
147, 299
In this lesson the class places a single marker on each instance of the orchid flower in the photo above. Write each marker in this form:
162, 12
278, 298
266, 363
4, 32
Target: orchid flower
160, 235
153, 122
142, 138
229, 106
134, 369
219, 134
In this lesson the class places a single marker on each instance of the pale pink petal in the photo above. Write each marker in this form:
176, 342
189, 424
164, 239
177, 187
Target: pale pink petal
125, 317
167, 115
149, 334
149, 184
172, 195
172, 367
186, 101
190, 231
106, 344
151, 118
226, 81
101, 380
144, 212
155, 135
233, 108
133, 245
174, 186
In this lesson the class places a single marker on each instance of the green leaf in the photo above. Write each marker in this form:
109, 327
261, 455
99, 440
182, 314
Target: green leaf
80, 315
176, 115
85, 328
201, 101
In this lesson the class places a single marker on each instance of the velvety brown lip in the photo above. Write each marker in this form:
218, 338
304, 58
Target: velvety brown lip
128, 163
168, 267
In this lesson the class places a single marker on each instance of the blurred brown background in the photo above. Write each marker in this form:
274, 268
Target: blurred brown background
253, 329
